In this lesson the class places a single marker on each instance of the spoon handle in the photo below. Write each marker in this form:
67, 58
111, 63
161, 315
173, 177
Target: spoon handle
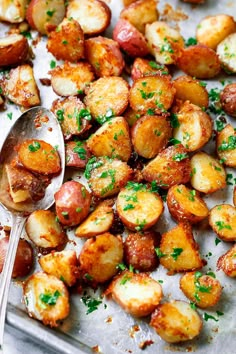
17, 226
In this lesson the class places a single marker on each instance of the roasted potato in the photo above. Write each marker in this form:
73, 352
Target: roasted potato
222, 219
13, 49
72, 203
94, 16
138, 207
100, 257
128, 2
165, 43
46, 298
171, 166
105, 56
176, 321
13, 11
98, 222
131, 116
153, 94
62, 265
226, 53
228, 99
150, 135
207, 175
226, 145
199, 61
44, 230
227, 262
185, 204
178, 250
137, 294
143, 67
77, 154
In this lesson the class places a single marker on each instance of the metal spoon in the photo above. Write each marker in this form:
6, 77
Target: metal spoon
36, 123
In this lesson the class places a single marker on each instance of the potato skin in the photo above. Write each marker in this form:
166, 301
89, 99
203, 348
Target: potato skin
222, 219
13, 50
72, 202
77, 154
228, 99
227, 262
226, 151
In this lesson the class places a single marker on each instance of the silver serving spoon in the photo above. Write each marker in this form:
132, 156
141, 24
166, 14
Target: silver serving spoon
36, 123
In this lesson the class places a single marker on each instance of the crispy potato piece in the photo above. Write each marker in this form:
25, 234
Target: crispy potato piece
176, 321
178, 250
100, 257
138, 207
67, 41
208, 175
72, 202
43, 15
107, 176
43, 229
77, 154
228, 99
131, 116
140, 13
194, 127
39, 156
105, 56
62, 265
70, 79
185, 204
13, 49
152, 93
111, 139
139, 250
222, 219
142, 67
20, 87
190, 89
165, 43
107, 96
171, 166
137, 294
94, 16
98, 222
199, 61
72, 116
128, 2
226, 53
13, 11
214, 29
203, 290
226, 145
150, 135
227, 262
130, 39
46, 298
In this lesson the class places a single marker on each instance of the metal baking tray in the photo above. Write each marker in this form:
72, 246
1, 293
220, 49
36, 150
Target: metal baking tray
109, 329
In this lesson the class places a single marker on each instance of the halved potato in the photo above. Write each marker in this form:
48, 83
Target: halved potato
143, 67
13, 49
227, 262
226, 145
228, 99
222, 219
13, 11
226, 53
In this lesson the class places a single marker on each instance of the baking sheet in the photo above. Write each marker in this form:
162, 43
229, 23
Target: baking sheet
110, 329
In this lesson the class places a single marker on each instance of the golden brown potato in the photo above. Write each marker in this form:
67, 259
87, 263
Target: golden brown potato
208, 175
100, 257
98, 222
185, 204
13, 11
94, 16
107, 176
176, 321
70, 79
106, 97
226, 53
171, 166
222, 219
199, 61
203, 290
131, 116
62, 265
46, 298
143, 67
228, 99
153, 94
105, 56
190, 89
44, 230
138, 207
226, 145
214, 29
72, 115
13, 49
150, 135
227, 262
165, 43
111, 139
20, 87
128, 2
67, 41
137, 294
139, 250
77, 154
194, 127
39, 157
178, 250
140, 13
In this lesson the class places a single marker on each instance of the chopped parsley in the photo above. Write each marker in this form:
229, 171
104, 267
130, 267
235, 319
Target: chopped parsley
128, 207
174, 120
106, 117
50, 299
176, 253
217, 241
222, 225
60, 115
53, 64
80, 150
207, 317
50, 12
179, 157
91, 303
228, 145
159, 252
9, 115
35, 146
91, 165
146, 95
190, 41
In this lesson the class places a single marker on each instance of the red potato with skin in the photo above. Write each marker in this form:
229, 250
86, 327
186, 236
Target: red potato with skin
77, 154
13, 49
72, 202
